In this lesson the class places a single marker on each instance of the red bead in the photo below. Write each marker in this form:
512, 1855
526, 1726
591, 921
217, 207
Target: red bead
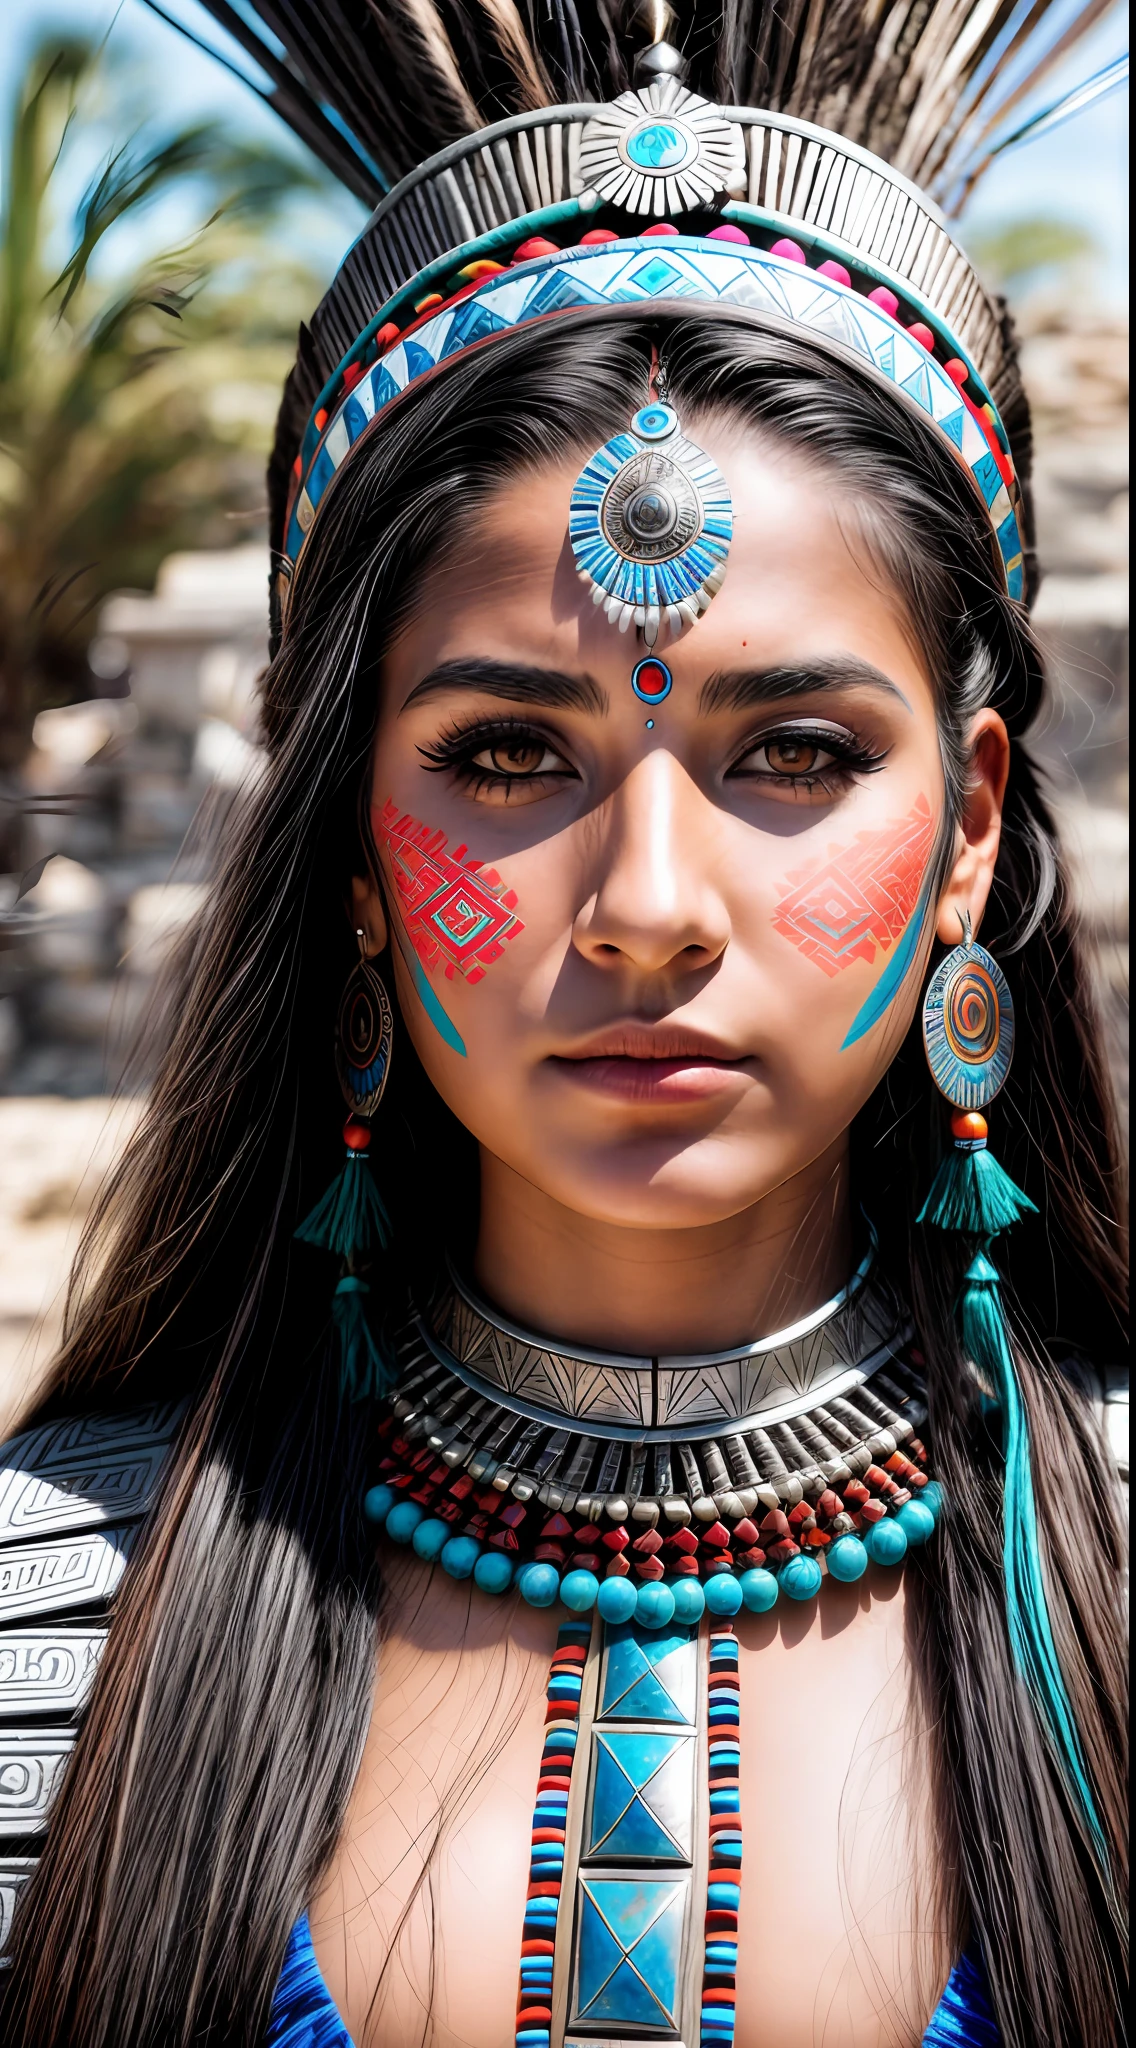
957, 371
750, 1560
711, 1565
685, 1567
873, 1511
660, 227
684, 1540
885, 300
514, 1514
801, 1515
855, 1494
387, 336
537, 245
320, 420
648, 1568
792, 251
780, 1553
829, 1504
356, 1135
745, 1533
774, 1525
618, 1568
549, 1553
716, 1537
461, 1488
648, 1543
815, 1539
503, 1539
615, 1539
836, 271
922, 335
596, 235
557, 1525
968, 1127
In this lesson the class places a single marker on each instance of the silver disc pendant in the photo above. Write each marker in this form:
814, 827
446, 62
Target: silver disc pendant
650, 524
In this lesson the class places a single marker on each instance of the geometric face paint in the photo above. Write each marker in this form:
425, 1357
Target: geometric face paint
861, 898
865, 898
456, 912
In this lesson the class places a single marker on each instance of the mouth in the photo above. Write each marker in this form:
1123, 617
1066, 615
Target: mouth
656, 1065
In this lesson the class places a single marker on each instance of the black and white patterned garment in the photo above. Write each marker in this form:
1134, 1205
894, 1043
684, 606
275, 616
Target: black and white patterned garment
72, 1497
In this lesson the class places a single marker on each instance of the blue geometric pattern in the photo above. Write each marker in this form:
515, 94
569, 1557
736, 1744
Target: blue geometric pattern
649, 1677
630, 1950
720, 273
642, 1795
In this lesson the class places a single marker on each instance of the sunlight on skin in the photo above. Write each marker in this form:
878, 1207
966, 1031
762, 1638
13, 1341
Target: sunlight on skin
661, 1083
656, 968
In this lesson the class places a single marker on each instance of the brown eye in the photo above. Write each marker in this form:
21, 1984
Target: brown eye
516, 757
791, 756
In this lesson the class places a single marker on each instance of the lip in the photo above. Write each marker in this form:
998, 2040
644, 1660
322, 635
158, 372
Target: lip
653, 1064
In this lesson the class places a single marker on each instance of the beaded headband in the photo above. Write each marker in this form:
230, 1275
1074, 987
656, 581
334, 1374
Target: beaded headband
782, 221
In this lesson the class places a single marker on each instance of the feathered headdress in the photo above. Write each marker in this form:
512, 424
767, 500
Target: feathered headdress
795, 159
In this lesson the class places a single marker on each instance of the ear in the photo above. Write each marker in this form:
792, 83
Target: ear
979, 830
367, 912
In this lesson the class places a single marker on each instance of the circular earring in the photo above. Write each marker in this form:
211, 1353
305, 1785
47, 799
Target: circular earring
363, 1036
968, 1025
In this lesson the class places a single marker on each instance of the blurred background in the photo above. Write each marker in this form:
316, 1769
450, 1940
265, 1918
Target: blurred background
161, 236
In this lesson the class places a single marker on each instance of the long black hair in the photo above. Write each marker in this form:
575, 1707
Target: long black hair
211, 1776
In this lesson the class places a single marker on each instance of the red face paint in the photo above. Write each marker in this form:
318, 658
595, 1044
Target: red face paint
862, 896
457, 912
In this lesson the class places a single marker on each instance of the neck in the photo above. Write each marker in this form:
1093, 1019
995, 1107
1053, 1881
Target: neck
665, 1292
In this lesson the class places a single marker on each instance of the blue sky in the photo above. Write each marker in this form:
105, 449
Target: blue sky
1077, 173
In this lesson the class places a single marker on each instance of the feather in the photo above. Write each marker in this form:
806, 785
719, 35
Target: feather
376, 86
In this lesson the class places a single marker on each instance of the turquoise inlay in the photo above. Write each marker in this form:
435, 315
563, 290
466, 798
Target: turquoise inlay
649, 1676
630, 1943
657, 148
894, 974
429, 1001
642, 1796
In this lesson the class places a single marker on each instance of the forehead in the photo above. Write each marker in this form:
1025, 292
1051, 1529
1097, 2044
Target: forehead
799, 579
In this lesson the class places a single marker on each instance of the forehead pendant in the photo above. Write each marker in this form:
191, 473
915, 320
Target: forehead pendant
650, 525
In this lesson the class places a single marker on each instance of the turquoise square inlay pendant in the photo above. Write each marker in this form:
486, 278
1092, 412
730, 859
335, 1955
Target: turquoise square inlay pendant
629, 1953
642, 1796
649, 1675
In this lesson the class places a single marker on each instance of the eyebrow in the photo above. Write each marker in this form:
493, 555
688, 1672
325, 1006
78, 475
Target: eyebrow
738, 689
519, 682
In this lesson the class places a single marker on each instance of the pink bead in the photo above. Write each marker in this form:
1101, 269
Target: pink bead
660, 227
957, 371
728, 233
791, 251
922, 335
836, 271
886, 300
596, 235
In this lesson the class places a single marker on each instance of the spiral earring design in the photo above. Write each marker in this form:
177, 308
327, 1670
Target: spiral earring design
968, 1025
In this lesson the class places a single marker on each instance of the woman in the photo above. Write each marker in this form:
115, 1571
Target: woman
672, 1405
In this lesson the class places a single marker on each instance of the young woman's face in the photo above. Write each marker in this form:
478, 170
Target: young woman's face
656, 958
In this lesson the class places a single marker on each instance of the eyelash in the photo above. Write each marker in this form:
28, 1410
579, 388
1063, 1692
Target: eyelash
453, 752
851, 757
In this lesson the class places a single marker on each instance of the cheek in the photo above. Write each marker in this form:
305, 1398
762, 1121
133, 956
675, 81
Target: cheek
457, 915
863, 906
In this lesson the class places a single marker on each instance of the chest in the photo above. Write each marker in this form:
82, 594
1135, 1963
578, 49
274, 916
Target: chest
422, 1910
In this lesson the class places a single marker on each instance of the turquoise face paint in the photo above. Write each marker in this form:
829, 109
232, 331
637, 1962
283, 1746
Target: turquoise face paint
895, 973
446, 1031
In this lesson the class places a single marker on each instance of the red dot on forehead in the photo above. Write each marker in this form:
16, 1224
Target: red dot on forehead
651, 681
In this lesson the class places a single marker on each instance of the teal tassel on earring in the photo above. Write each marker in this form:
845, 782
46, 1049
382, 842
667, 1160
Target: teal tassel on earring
971, 1191
350, 1218
1027, 1613
365, 1370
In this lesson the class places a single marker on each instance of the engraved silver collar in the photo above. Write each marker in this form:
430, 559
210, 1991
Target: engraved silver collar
655, 1400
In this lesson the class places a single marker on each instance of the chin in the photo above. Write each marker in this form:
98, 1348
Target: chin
653, 1186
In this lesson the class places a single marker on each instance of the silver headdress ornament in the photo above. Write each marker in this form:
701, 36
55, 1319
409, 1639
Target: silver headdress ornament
653, 197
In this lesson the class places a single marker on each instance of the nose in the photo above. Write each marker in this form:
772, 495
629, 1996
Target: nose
656, 905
